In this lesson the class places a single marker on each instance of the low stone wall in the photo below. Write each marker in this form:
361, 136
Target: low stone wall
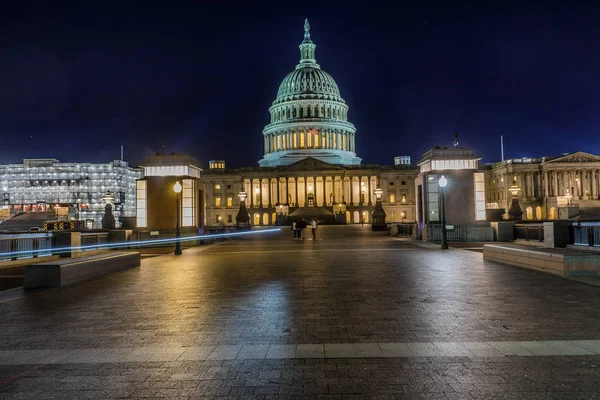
68, 271
555, 261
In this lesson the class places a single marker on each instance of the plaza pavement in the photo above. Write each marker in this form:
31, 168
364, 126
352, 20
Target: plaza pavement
355, 315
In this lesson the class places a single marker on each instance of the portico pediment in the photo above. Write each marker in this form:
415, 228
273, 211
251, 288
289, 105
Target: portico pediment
578, 157
311, 164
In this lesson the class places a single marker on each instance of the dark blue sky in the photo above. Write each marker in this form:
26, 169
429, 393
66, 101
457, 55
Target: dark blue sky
78, 80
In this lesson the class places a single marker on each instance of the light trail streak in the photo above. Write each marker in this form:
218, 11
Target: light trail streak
58, 250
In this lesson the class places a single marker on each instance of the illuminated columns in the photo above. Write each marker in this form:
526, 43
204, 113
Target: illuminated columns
287, 191
594, 177
296, 191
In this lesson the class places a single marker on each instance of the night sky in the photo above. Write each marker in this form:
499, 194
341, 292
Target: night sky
77, 81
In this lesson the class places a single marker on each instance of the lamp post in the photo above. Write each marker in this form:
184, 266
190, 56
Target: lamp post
242, 219
443, 182
378, 216
108, 219
514, 212
177, 189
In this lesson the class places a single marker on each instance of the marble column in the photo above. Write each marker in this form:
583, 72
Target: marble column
287, 191
583, 179
325, 199
546, 185
296, 191
594, 177
278, 191
369, 190
305, 191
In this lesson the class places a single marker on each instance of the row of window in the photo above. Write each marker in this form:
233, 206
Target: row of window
310, 139
309, 112
218, 201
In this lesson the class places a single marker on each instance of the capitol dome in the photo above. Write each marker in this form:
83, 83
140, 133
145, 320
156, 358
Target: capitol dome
309, 116
308, 82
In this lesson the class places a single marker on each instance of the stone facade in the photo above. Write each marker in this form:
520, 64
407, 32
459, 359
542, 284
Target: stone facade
310, 187
547, 185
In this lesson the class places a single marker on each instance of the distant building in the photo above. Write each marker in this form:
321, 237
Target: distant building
549, 187
402, 160
72, 190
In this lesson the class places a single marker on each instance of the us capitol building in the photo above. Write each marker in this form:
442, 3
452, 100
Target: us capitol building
310, 168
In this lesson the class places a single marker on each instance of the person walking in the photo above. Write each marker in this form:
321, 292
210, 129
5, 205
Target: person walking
314, 228
295, 229
302, 223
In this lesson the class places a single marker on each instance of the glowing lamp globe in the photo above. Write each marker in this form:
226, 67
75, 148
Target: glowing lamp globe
108, 198
177, 187
378, 192
443, 181
242, 195
514, 190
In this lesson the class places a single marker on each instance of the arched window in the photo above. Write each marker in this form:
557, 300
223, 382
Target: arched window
265, 219
301, 112
322, 111
288, 113
315, 111
257, 219
328, 112
529, 212
538, 212
294, 112
356, 217
552, 212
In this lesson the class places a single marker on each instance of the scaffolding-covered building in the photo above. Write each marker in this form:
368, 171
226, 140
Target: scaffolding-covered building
72, 190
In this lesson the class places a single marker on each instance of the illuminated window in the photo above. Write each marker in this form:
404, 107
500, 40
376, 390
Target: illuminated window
324, 140
217, 186
392, 198
229, 201
141, 204
479, 181
294, 140
403, 198
188, 202
308, 140
278, 147
217, 202
301, 139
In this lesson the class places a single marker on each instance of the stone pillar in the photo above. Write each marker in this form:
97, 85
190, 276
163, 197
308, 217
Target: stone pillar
351, 184
594, 175
260, 192
575, 185
278, 191
325, 199
546, 184
287, 191
583, 180
305, 191
296, 191
369, 190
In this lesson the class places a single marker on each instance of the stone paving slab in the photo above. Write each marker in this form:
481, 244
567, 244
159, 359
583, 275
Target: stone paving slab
270, 318
302, 351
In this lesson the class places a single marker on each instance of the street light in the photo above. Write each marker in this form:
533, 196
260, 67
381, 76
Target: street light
443, 182
243, 218
177, 189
